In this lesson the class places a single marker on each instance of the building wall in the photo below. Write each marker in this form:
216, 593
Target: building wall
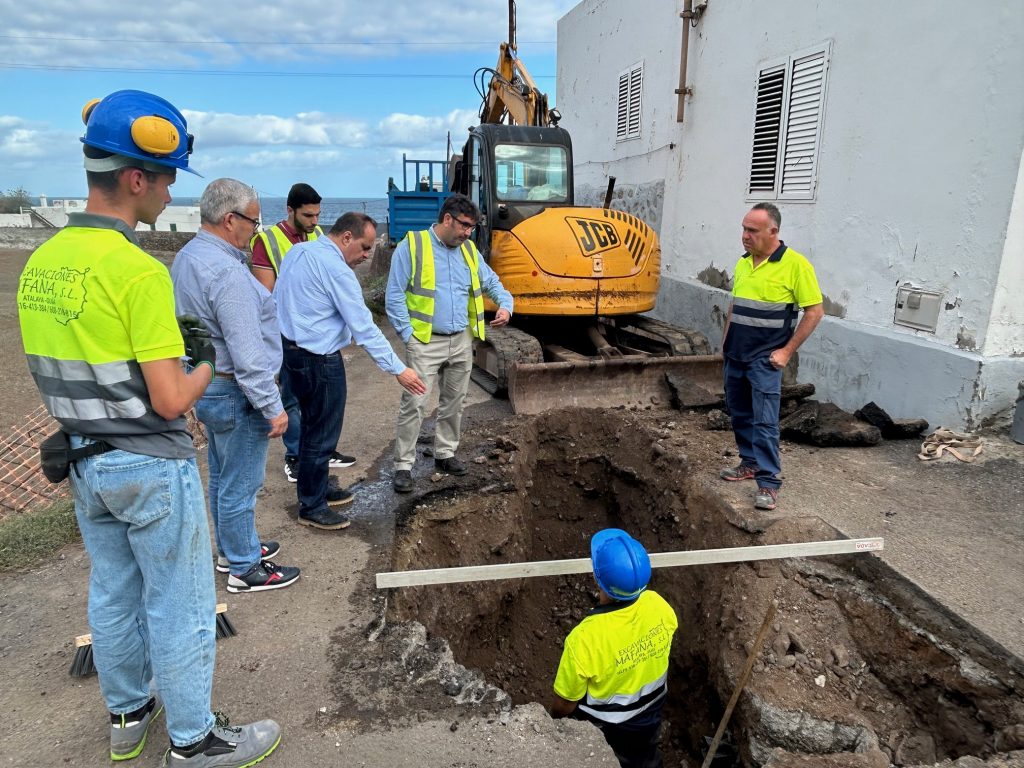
918, 166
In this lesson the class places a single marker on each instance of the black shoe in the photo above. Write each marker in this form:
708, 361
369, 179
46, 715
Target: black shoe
268, 549
340, 461
402, 481
263, 576
327, 519
451, 465
291, 468
339, 497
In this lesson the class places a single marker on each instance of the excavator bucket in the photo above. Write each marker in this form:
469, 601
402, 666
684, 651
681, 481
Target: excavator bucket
658, 382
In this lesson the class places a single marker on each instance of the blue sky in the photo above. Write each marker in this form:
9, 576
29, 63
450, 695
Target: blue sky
330, 92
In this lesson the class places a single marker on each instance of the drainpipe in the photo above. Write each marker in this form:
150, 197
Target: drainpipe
690, 15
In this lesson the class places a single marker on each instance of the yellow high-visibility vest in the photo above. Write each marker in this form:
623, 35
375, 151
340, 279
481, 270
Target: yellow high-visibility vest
277, 243
419, 294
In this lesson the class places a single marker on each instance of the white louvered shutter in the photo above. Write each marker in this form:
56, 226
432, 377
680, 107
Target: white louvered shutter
771, 87
803, 126
622, 121
636, 87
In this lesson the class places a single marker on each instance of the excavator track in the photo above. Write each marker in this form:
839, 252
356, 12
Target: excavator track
645, 332
494, 358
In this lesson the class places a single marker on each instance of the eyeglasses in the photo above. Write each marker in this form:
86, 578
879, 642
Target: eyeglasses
255, 222
467, 225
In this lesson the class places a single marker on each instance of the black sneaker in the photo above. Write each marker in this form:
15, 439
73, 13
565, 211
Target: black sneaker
326, 519
228, 747
340, 461
291, 468
402, 481
268, 549
451, 465
339, 497
263, 576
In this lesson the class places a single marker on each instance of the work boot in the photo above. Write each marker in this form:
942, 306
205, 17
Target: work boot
326, 519
339, 497
451, 465
128, 731
268, 549
263, 576
766, 498
402, 481
228, 747
742, 472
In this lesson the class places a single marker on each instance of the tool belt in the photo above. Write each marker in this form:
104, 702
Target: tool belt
56, 454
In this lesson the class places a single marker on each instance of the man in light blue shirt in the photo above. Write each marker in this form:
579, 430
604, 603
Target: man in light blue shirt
320, 311
241, 409
437, 308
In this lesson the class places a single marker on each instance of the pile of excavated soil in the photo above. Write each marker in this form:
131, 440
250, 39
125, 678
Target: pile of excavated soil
857, 669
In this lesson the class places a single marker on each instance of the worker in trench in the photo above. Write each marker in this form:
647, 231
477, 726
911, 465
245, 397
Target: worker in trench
614, 667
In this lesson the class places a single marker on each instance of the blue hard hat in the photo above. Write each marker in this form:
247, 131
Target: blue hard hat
139, 125
621, 564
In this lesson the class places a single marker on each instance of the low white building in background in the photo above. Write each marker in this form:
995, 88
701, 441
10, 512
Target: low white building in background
54, 213
890, 135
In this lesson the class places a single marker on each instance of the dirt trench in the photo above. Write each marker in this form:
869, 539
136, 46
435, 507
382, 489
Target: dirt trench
858, 669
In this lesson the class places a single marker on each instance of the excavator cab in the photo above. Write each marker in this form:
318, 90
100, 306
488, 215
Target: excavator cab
513, 172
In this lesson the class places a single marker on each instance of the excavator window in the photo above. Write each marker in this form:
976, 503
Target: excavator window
530, 172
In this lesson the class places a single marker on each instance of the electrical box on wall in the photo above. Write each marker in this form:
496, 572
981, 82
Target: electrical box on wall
917, 308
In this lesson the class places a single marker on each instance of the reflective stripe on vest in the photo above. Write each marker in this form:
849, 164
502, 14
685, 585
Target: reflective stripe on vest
419, 294
277, 244
623, 707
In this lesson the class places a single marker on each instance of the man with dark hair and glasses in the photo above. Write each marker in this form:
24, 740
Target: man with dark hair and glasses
435, 302
242, 407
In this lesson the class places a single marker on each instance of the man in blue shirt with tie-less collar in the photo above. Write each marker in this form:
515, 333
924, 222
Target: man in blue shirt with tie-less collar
435, 301
320, 311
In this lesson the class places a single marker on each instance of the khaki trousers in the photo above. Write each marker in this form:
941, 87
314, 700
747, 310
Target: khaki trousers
445, 362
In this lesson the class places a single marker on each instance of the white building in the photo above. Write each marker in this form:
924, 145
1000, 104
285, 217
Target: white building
54, 214
890, 135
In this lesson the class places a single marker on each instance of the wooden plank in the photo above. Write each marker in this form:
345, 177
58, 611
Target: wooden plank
658, 560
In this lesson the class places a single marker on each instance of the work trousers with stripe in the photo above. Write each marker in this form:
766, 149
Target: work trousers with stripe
752, 393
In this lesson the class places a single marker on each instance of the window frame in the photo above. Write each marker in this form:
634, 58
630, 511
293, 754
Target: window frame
787, 64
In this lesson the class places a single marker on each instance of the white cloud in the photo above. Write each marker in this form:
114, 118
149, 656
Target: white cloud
213, 129
144, 34
24, 143
422, 131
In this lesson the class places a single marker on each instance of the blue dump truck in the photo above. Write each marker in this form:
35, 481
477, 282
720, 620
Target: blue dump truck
415, 205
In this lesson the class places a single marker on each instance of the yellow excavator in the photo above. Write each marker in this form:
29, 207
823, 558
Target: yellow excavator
581, 277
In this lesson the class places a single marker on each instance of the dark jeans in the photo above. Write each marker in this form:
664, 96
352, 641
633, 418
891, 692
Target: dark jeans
291, 407
752, 393
318, 382
634, 747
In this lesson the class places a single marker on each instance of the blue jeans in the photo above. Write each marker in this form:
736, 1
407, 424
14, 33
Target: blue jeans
291, 407
318, 382
237, 455
752, 393
151, 594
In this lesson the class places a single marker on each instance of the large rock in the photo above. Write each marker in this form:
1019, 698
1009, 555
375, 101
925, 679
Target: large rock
891, 429
827, 425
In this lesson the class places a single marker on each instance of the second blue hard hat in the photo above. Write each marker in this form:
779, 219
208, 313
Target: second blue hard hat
621, 564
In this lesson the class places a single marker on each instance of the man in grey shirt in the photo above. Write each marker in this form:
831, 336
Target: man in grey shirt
241, 408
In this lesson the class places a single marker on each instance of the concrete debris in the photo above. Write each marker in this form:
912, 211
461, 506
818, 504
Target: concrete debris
892, 429
826, 424
718, 421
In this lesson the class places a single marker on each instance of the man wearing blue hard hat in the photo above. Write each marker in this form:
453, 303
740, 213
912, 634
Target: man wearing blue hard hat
104, 348
614, 667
